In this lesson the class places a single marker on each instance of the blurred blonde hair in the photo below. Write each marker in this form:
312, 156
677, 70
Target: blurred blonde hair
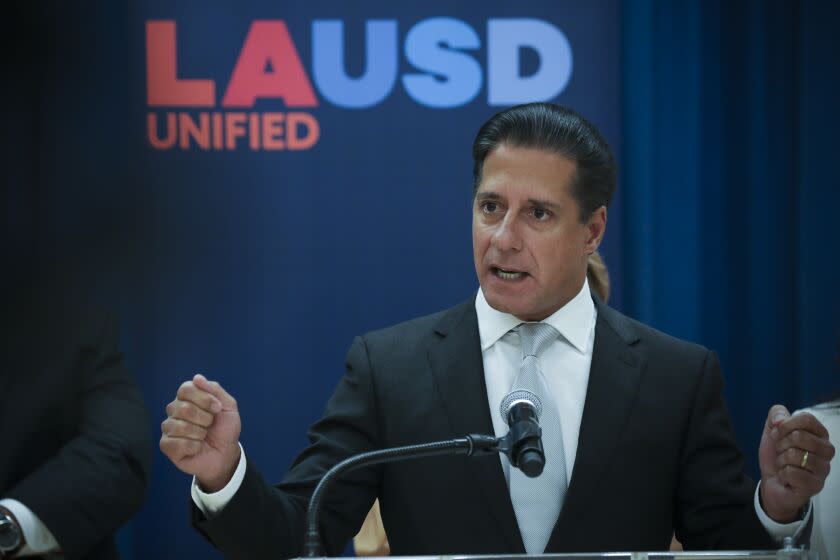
372, 540
598, 276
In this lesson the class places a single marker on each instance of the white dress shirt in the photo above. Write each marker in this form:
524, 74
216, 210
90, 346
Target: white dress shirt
565, 364
39, 539
825, 538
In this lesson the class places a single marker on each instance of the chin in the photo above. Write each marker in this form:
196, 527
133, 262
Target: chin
507, 305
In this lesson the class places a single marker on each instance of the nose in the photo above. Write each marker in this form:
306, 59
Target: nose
506, 237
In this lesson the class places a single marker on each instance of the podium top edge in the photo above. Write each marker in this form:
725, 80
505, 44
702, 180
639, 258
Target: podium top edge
658, 555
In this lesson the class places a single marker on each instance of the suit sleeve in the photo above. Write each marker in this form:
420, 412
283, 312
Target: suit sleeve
262, 521
97, 479
714, 498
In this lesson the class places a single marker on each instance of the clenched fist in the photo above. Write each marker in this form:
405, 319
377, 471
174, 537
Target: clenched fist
201, 433
794, 456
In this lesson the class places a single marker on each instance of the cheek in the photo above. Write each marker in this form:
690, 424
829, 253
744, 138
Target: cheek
480, 237
555, 255
479, 245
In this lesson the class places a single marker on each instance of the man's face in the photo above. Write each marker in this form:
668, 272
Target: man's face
529, 245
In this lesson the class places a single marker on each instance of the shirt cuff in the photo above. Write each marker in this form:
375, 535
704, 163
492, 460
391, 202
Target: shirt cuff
215, 502
778, 531
39, 539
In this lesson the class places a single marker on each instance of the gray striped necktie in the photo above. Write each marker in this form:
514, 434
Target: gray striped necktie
537, 501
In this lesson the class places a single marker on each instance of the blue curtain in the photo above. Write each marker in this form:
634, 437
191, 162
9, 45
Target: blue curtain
730, 121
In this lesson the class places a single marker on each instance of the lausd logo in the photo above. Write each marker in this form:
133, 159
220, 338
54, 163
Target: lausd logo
269, 67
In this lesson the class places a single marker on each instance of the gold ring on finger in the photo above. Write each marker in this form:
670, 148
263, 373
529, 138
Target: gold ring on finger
804, 460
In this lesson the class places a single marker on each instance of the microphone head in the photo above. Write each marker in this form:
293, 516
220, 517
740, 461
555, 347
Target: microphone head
520, 396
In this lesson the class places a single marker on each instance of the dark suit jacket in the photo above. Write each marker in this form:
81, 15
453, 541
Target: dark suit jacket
74, 435
656, 452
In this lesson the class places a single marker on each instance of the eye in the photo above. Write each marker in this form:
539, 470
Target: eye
541, 214
489, 207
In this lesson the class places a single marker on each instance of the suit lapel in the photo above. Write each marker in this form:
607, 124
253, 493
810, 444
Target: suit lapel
456, 363
614, 377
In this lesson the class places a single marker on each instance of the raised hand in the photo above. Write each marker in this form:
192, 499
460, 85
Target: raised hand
201, 432
794, 457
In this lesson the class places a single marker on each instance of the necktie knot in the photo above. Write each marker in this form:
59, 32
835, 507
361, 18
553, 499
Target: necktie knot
535, 338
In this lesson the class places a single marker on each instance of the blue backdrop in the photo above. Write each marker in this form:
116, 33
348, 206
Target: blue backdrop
730, 120
236, 262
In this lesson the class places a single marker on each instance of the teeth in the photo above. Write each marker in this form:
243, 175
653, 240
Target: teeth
505, 275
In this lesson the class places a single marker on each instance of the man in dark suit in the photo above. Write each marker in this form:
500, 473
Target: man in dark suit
645, 446
74, 431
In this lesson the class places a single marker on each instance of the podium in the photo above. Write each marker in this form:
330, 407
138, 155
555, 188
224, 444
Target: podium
787, 553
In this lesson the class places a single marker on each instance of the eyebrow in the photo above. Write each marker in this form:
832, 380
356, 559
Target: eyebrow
544, 203
532, 201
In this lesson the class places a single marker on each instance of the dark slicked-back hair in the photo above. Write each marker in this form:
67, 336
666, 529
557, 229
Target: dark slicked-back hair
556, 129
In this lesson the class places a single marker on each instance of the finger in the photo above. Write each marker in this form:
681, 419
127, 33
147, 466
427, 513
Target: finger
804, 421
185, 410
201, 398
178, 449
212, 387
777, 414
173, 427
800, 481
796, 458
806, 441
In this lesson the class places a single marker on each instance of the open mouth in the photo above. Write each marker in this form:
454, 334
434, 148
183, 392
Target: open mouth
506, 274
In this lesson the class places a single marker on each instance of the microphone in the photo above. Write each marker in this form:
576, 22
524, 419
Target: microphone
521, 409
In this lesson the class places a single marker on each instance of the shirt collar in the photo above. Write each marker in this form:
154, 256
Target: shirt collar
574, 321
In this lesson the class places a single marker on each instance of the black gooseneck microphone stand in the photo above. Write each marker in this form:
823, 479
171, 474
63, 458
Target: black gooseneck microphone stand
514, 444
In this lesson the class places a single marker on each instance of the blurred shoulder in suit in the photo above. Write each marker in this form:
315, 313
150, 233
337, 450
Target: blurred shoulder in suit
75, 436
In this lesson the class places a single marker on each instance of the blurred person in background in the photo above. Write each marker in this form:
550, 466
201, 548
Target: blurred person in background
825, 535
74, 435
75, 443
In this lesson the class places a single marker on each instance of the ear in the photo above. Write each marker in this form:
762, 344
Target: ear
595, 228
